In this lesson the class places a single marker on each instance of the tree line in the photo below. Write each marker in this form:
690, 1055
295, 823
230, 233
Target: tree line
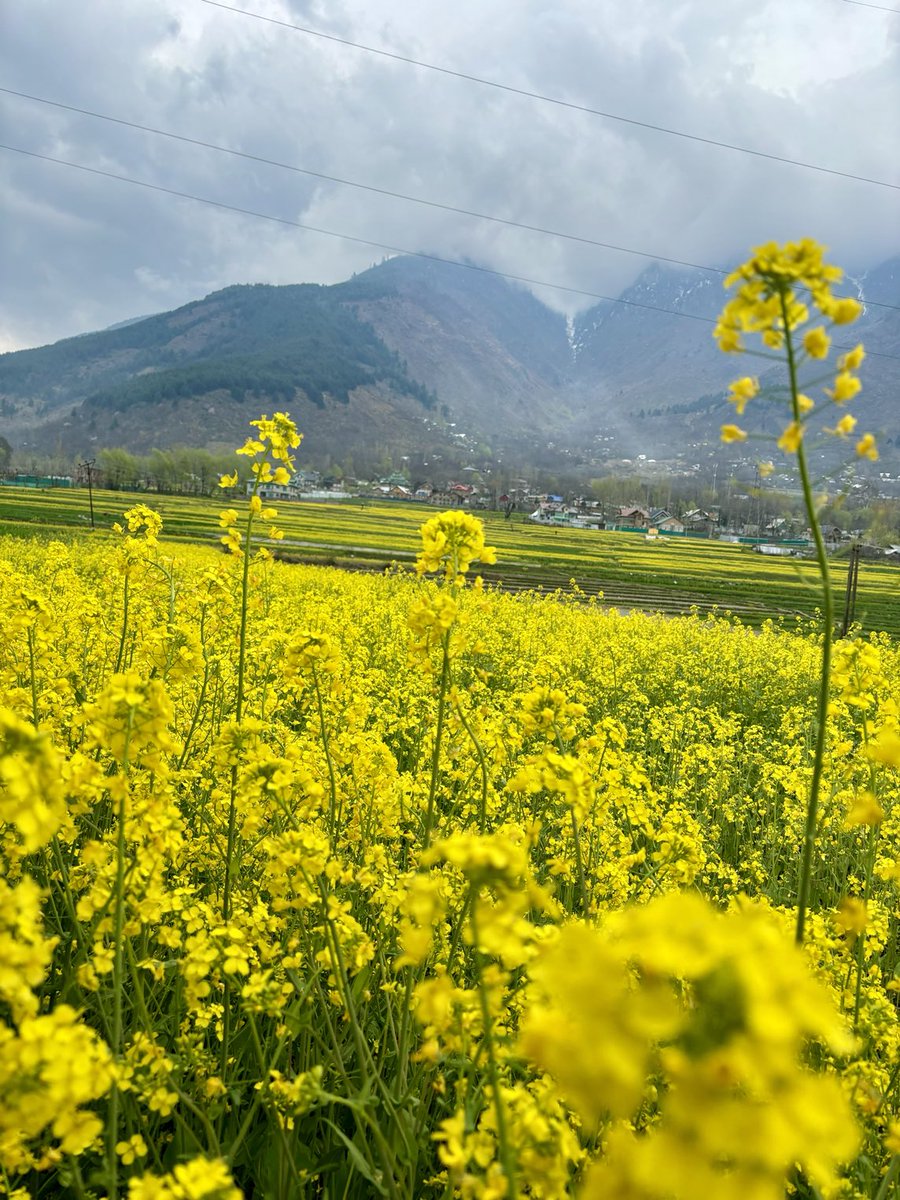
180, 469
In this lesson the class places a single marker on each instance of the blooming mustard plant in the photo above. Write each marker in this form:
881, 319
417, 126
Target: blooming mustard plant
510, 882
777, 291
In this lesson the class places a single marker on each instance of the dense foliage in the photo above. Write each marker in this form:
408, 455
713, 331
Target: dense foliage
250, 339
319, 886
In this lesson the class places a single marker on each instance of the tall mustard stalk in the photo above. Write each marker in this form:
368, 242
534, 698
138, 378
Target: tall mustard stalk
276, 438
451, 542
118, 966
779, 290
438, 740
504, 1142
809, 503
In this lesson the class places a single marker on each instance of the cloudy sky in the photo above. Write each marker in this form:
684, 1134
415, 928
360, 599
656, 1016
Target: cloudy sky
812, 80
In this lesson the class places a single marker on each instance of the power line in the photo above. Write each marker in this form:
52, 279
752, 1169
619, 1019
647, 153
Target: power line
249, 212
864, 4
555, 100
271, 162
556, 233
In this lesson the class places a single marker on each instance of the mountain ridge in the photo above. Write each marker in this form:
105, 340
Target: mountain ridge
418, 355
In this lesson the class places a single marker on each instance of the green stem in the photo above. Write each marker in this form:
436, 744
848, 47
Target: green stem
77, 1181
279, 1128
34, 704
809, 832
201, 699
895, 1074
124, 624
872, 844
507, 1157
118, 968
245, 590
438, 738
232, 803
364, 1055
861, 936
265, 1075
885, 1190
482, 763
332, 807
579, 863
324, 1003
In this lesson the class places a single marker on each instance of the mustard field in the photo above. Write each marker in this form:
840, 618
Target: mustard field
318, 884
339, 885
673, 574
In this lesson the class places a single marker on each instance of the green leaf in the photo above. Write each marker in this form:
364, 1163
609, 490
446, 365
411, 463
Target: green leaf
359, 1161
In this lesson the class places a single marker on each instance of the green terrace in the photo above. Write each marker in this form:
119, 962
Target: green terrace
625, 570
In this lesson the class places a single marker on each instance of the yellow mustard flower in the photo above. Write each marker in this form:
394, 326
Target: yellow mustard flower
742, 390
852, 360
867, 447
846, 386
816, 342
452, 541
845, 310
791, 438
845, 425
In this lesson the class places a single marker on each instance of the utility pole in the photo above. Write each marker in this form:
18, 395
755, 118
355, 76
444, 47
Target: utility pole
89, 467
850, 597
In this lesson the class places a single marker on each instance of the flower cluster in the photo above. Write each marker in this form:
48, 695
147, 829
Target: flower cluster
272, 463
779, 289
284, 911
709, 1015
199, 1179
451, 542
277, 438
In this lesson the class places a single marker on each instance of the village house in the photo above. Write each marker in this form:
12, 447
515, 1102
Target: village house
631, 516
700, 520
549, 512
452, 495
664, 522
276, 491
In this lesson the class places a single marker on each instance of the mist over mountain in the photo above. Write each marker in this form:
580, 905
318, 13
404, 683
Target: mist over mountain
421, 357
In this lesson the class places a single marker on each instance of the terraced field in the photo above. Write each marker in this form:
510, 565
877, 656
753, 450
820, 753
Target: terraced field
670, 575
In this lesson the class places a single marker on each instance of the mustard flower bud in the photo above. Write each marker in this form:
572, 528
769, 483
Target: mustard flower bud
852, 361
791, 438
845, 388
816, 342
845, 311
867, 447
741, 391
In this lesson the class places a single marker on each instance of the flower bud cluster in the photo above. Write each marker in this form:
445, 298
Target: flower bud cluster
779, 289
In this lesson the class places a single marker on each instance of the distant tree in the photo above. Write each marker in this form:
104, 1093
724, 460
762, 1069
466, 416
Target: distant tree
6, 453
165, 469
120, 468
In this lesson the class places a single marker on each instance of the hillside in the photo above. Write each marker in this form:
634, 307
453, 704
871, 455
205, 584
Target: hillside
639, 361
419, 357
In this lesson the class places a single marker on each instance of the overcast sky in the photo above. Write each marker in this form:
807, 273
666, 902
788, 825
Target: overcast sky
815, 80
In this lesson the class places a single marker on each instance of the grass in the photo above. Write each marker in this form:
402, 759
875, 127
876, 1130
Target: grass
670, 575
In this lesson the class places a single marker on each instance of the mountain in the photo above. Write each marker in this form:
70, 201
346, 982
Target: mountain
636, 358
424, 357
496, 356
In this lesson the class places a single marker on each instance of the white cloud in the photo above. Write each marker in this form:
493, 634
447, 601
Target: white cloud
820, 85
